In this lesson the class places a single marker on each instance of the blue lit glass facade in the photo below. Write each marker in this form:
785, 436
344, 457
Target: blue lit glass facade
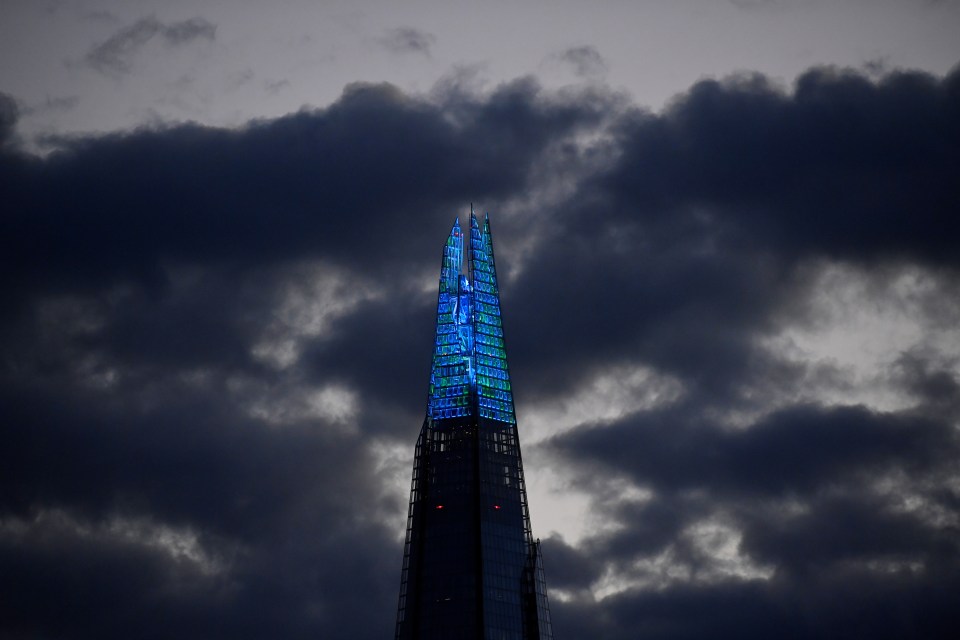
469, 360
495, 397
471, 567
453, 374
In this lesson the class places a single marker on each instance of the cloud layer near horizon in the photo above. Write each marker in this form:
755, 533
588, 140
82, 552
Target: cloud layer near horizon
732, 327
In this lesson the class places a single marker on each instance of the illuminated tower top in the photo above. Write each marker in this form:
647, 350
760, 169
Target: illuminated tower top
472, 569
469, 376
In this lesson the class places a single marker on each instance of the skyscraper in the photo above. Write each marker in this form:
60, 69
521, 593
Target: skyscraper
471, 567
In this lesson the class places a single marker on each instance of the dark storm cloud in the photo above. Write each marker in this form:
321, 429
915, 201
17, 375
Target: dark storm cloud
115, 54
819, 498
141, 428
365, 350
842, 167
895, 608
713, 211
790, 452
274, 512
210, 337
408, 40
797, 453
278, 190
695, 243
841, 566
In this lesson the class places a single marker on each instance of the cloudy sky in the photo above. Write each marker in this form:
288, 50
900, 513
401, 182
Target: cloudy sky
729, 251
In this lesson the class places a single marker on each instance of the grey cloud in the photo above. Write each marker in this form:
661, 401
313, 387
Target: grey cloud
9, 114
59, 103
586, 61
408, 40
101, 16
63, 103
177, 33
877, 66
275, 86
753, 5
932, 379
116, 53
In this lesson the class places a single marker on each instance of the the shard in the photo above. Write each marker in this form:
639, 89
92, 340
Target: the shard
471, 567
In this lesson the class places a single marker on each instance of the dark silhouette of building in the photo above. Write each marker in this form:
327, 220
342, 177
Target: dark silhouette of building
471, 567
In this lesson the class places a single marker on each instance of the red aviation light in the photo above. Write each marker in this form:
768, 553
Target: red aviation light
496, 506
439, 506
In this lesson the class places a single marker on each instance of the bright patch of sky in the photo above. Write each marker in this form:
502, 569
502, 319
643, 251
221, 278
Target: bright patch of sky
181, 545
861, 326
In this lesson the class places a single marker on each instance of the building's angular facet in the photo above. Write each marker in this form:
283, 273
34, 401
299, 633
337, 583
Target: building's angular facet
471, 567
